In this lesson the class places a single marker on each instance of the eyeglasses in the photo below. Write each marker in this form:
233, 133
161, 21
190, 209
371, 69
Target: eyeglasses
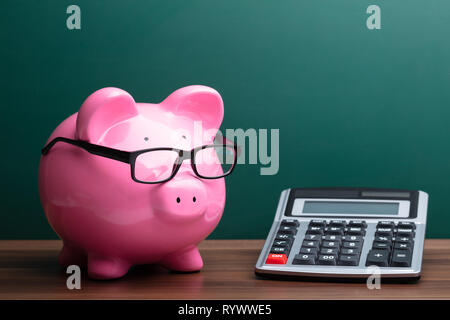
159, 165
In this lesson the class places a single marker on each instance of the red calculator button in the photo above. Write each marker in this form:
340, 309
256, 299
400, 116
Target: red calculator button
276, 258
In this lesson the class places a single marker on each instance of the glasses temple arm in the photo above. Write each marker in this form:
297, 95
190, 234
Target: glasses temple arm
115, 154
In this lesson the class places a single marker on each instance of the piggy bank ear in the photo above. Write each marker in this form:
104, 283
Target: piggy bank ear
101, 110
199, 103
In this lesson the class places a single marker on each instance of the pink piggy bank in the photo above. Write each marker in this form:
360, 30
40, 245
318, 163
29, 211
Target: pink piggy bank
125, 183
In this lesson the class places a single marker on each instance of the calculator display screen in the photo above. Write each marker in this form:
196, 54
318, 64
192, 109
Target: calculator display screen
351, 207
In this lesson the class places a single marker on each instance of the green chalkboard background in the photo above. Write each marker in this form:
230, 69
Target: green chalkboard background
355, 107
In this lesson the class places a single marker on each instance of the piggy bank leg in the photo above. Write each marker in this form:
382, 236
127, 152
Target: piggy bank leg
69, 255
106, 268
186, 260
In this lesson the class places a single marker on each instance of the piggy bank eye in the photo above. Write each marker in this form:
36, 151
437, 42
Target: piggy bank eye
146, 139
184, 137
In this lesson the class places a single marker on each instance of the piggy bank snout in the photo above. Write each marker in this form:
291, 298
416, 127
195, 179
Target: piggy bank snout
185, 197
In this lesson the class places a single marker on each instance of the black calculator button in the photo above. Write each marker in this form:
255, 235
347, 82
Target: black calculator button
382, 245
348, 260
355, 231
357, 224
290, 223
330, 244
385, 224
314, 230
284, 236
406, 225
304, 258
348, 251
287, 229
403, 239
311, 244
401, 258
313, 237
318, 223
337, 223
383, 238
307, 250
352, 244
334, 231
282, 243
332, 238
403, 245
329, 251
280, 250
389, 232
326, 259
352, 238
405, 233
378, 257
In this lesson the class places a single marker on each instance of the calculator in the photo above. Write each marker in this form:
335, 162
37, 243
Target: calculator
342, 233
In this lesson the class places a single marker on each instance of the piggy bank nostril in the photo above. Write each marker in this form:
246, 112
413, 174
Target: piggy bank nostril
194, 199
178, 199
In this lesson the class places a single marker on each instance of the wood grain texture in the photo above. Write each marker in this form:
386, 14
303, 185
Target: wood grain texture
29, 270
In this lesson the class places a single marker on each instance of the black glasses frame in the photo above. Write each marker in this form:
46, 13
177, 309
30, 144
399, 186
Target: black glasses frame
130, 157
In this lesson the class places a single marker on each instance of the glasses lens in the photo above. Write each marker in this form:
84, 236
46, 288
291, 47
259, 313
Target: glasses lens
154, 166
215, 161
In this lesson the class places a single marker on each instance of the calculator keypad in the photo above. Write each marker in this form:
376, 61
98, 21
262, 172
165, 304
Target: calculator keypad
332, 243
393, 245
340, 243
281, 246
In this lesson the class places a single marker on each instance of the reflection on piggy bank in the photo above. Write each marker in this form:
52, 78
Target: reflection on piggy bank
113, 212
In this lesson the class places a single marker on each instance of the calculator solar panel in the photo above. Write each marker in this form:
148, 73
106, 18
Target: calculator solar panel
345, 232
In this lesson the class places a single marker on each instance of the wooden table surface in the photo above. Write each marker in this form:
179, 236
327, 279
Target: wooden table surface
29, 270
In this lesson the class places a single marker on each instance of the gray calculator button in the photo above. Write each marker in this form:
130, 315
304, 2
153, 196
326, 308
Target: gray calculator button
348, 251
304, 259
352, 238
357, 224
403, 239
332, 238
337, 223
288, 230
389, 232
280, 250
313, 237
307, 250
348, 260
284, 236
405, 233
383, 238
330, 244
401, 258
378, 258
310, 244
326, 259
282, 243
382, 245
403, 245
352, 244
314, 230
329, 251
290, 223
355, 231
406, 225
334, 231
317, 223
385, 224
385, 230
